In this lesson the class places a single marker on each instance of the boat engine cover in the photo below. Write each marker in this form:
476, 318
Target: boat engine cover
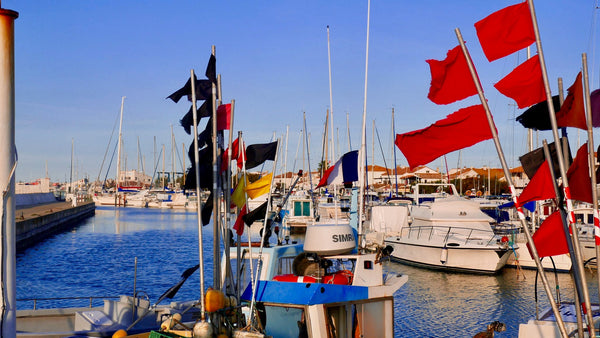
329, 239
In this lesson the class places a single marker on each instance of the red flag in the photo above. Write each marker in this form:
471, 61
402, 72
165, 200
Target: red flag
505, 31
239, 222
572, 112
235, 155
224, 116
550, 239
540, 187
524, 84
458, 130
450, 79
580, 183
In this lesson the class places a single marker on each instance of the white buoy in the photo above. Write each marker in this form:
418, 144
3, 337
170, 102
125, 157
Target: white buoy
202, 330
170, 322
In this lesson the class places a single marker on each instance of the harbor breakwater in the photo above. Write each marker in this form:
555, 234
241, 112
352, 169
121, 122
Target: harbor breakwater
38, 222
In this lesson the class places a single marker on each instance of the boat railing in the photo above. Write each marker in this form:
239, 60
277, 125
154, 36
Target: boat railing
56, 299
469, 234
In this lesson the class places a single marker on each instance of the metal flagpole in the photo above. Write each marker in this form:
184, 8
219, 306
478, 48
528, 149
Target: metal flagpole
565, 227
216, 191
536, 258
563, 173
262, 240
227, 180
361, 153
591, 158
198, 197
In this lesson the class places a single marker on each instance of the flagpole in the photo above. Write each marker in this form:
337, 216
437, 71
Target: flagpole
198, 196
262, 240
216, 192
591, 159
536, 258
565, 228
563, 173
361, 153
226, 238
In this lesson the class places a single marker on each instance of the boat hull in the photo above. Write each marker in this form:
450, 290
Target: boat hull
484, 259
522, 259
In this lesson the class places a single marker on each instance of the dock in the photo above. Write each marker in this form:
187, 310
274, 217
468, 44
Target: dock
36, 222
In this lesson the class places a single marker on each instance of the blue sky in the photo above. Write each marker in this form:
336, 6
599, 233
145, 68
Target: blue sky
76, 59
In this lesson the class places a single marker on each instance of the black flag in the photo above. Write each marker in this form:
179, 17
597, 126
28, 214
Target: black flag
211, 69
255, 215
533, 159
173, 290
205, 168
537, 116
187, 121
257, 154
203, 90
207, 209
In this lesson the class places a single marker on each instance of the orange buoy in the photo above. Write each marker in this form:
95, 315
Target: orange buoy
215, 300
119, 334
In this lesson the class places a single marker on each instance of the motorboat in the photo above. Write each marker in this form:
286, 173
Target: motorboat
449, 233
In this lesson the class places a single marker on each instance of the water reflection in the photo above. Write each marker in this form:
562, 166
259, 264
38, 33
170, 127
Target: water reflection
437, 304
97, 259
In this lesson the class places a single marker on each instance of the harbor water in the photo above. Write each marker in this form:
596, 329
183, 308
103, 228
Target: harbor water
97, 259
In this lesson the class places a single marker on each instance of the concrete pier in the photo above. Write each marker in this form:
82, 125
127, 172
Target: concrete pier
37, 222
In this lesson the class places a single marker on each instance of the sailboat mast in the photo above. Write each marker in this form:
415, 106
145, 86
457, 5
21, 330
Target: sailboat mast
163, 168
372, 155
119, 152
71, 171
333, 158
325, 138
287, 131
361, 156
348, 130
312, 194
394, 147
172, 159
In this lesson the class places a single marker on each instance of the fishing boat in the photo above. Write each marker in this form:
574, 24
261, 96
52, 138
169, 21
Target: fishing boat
450, 233
323, 287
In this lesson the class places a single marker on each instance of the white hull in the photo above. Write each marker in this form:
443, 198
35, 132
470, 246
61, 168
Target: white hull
452, 234
522, 259
478, 259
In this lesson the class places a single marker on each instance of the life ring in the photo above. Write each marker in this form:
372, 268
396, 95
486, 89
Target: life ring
343, 277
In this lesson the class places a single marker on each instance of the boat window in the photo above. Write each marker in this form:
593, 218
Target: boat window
284, 321
356, 320
297, 208
337, 325
284, 266
305, 208
590, 219
244, 270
